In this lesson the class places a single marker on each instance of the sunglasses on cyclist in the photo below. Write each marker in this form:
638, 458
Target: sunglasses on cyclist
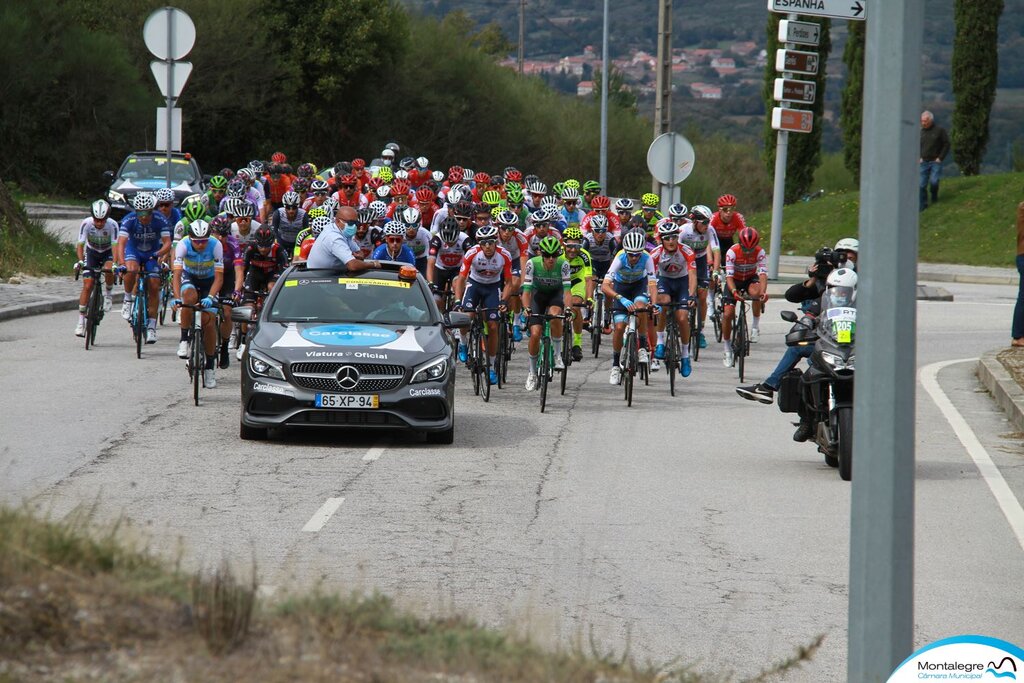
488, 243
670, 238
570, 202
394, 240
162, 204
243, 218
143, 214
549, 256
320, 194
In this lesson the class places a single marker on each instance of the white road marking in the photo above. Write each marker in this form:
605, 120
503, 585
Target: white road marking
1008, 503
320, 517
374, 453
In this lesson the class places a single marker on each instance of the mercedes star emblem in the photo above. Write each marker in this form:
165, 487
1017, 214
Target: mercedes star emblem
348, 377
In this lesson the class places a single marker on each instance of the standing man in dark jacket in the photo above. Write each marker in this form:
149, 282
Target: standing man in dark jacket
934, 148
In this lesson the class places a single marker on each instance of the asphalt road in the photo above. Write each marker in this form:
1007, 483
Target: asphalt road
690, 528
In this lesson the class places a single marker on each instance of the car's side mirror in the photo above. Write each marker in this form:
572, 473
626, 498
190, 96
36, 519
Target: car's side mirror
241, 314
458, 319
788, 316
108, 176
206, 178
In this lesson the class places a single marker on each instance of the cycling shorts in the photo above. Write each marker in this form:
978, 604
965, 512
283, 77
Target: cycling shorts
703, 273
145, 257
541, 301
580, 289
600, 268
258, 280
94, 260
421, 266
677, 288
443, 278
724, 244
637, 291
200, 284
482, 295
741, 285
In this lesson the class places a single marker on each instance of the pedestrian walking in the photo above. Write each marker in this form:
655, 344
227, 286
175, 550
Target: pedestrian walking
1018, 310
934, 148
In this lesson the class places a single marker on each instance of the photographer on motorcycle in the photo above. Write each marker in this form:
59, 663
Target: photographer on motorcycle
808, 295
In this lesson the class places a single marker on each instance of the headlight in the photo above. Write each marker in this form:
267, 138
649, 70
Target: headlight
262, 366
837, 361
431, 372
116, 196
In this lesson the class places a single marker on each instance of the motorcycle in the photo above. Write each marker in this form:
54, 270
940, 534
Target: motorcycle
824, 392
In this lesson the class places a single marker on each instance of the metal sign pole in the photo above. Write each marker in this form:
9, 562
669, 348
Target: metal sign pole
779, 191
170, 90
881, 619
603, 171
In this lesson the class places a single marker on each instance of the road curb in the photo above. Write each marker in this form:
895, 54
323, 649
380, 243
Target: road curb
1004, 389
43, 307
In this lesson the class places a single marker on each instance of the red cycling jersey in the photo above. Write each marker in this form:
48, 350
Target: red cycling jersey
727, 230
743, 267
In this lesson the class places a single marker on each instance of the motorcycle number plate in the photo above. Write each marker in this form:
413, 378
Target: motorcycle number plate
843, 330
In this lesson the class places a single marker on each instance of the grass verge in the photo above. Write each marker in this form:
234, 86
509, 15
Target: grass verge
973, 222
33, 251
81, 605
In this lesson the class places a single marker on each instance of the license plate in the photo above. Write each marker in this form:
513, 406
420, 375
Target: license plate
360, 401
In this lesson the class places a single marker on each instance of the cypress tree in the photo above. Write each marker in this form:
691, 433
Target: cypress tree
975, 65
853, 96
804, 154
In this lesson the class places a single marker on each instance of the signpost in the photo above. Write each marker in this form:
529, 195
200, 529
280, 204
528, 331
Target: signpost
835, 9
169, 34
796, 61
670, 159
795, 120
801, 92
799, 32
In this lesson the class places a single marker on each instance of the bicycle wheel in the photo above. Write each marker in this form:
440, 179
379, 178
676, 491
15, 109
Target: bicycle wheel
483, 368
672, 355
739, 342
501, 361
696, 327
630, 370
139, 322
716, 315
596, 322
198, 361
473, 360
164, 298
566, 352
543, 374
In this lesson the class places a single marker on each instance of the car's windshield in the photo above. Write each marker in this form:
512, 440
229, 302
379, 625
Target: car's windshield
379, 297
153, 168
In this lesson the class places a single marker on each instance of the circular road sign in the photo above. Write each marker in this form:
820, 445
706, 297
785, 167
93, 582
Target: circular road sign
166, 27
670, 158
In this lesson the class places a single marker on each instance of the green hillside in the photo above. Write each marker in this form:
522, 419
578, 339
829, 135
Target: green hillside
973, 223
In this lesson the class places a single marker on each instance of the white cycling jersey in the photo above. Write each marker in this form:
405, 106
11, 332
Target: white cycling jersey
98, 239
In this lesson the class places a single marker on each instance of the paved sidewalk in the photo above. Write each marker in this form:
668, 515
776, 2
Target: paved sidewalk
1002, 373
38, 295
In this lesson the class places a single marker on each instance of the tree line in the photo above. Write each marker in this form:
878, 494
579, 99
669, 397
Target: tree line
974, 70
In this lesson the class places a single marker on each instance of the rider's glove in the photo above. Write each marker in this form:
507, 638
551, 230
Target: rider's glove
207, 302
236, 295
626, 302
657, 308
175, 302
121, 268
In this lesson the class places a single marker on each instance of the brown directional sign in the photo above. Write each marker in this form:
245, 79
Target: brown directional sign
793, 120
787, 90
796, 61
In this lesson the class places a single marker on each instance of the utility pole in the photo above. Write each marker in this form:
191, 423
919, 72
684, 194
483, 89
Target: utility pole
603, 171
522, 32
663, 94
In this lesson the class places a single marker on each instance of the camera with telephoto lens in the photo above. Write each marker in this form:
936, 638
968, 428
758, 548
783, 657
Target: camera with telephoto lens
826, 261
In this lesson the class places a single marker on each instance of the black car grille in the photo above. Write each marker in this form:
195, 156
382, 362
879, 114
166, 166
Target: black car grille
374, 377
367, 418
270, 404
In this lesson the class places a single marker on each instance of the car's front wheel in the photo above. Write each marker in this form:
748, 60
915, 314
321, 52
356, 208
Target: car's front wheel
445, 437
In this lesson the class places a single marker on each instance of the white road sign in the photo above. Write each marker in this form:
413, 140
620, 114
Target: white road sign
837, 9
181, 72
799, 32
161, 129
670, 158
169, 33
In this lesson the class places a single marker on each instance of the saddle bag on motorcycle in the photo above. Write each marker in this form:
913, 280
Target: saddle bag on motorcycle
789, 391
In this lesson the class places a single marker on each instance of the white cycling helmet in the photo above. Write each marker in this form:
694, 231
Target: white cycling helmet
384, 191
598, 223
623, 204
318, 225
422, 162
164, 194
438, 176
634, 241
549, 203
378, 208
144, 201
410, 217
454, 196
401, 174
848, 244
330, 206
701, 213
666, 228
199, 230
394, 229
100, 209
486, 232
570, 194
677, 211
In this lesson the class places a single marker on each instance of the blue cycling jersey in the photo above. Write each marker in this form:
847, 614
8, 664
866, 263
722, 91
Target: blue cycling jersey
405, 256
144, 238
201, 263
622, 271
572, 218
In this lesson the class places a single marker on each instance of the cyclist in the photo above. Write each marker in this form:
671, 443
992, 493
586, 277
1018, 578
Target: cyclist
417, 238
143, 237
288, 221
547, 289
318, 194
97, 236
274, 186
198, 277
427, 204
623, 284
516, 204
746, 273
591, 189
244, 227
536, 191
649, 213
601, 245
234, 275
367, 236
447, 249
599, 207
218, 189
727, 221
165, 205
263, 261
307, 238
512, 239
624, 212
581, 277
348, 192
676, 268
393, 247
542, 220
571, 214
702, 239
487, 268
481, 217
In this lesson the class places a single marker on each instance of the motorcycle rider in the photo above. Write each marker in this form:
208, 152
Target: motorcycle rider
808, 295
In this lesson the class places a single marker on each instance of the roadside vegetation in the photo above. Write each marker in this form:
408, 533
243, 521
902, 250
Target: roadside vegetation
973, 223
78, 604
25, 246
